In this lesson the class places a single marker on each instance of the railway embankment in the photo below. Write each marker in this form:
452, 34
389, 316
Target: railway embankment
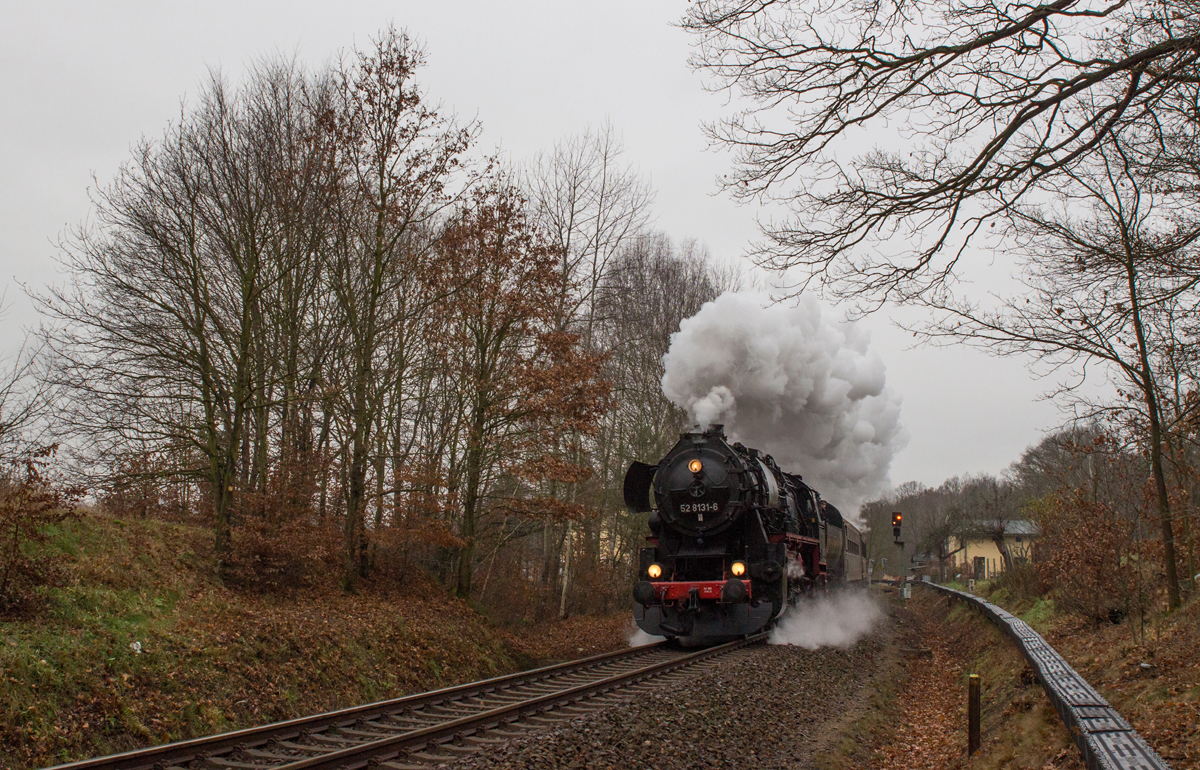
927, 724
1147, 668
140, 645
1150, 679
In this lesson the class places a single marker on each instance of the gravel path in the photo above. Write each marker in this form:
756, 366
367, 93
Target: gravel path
767, 707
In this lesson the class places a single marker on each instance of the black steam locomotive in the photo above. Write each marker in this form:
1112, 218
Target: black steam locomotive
733, 539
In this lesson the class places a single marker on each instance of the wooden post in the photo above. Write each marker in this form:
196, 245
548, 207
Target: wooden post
973, 714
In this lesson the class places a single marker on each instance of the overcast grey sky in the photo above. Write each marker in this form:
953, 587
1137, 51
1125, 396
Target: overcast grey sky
82, 82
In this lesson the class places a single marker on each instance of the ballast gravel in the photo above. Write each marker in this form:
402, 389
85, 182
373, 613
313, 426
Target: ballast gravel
770, 706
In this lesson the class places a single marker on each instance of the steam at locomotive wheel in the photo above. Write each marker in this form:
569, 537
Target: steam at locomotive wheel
733, 540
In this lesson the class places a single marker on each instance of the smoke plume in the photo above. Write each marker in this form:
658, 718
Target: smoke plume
792, 382
838, 620
639, 638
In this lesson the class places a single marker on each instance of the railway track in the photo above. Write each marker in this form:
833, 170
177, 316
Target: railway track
430, 728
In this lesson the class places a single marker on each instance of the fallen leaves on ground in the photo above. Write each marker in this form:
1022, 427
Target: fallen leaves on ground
576, 637
931, 733
1019, 727
1161, 699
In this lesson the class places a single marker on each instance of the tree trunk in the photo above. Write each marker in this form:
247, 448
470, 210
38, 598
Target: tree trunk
323, 458
466, 555
568, 546
1174, 601
356, 535
222, 480
1150, 395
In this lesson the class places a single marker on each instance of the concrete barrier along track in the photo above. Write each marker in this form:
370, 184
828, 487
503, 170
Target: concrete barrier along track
1105, 739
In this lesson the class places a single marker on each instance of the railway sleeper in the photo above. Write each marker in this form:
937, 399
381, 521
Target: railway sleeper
540, 721
458, 751
454, 712
271, 755
497, 702
307, 748
515, 730
431, 757
488, 738
325, 737
511, 696
370, 735
414, 722
234, 764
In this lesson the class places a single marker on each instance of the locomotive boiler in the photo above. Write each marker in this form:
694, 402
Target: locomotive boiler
733, 539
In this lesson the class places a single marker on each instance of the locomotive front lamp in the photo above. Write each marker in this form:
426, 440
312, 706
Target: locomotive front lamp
695, 466
738, 569
654, 571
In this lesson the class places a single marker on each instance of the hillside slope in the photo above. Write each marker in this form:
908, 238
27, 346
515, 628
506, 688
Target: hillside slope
143, 646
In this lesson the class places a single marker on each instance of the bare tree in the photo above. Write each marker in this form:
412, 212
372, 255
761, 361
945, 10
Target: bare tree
591, 204
991, 99
157, 339
521, 382
1097, 287
25, 398
299, 330
648, 289
400, 161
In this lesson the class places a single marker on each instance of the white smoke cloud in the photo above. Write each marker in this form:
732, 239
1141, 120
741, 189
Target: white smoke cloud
639, 638
836, 620
794, 383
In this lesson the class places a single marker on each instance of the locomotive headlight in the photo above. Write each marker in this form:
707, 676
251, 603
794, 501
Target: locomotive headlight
654, 571
737, 568
695, 466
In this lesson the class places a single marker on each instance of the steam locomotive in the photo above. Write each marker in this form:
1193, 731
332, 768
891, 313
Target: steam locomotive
733, 540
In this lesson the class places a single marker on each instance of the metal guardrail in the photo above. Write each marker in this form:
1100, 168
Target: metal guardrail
1105, 739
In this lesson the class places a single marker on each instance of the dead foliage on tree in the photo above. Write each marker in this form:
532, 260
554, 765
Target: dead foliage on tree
29, 504
1086, 554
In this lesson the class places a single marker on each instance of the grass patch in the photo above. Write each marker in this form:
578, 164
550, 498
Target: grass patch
1040, 614
142, 646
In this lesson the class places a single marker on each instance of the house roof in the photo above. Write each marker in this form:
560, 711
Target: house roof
1020, 527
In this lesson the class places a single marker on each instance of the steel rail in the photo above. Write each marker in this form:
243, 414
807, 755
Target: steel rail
395, 747
172, 754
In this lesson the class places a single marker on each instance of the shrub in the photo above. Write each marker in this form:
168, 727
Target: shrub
1024, 582
145, 485
279, 540
29, 505
274, 555
1083, 555
410, 548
